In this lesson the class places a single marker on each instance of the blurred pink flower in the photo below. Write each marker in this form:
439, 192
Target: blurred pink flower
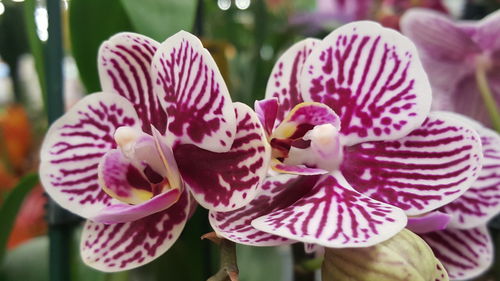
452, 54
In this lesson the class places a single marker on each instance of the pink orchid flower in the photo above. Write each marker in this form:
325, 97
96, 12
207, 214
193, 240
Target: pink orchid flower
455, 55
348, 121
131, 158
458, 234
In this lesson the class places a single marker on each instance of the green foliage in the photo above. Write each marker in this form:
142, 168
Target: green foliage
404, 257
160, 19
91, 22
10, 208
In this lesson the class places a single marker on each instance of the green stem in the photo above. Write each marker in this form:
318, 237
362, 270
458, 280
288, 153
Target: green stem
228, 263
60, 221
487, 95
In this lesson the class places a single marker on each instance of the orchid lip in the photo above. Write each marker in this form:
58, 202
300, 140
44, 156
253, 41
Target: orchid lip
138, 170
309, 136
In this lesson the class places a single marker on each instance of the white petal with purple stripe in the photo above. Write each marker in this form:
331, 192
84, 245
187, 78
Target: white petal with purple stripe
482, 201
75, 144
124, 65
334, 215
425, 170
372, 78
465, 253
275, 193
123, 246
284, 82
193, 92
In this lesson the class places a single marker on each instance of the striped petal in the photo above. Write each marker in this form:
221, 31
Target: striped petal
334, 215
275, 193
124, 64
482, 201
372, 78
425, 170
227, 181
123, 246
465, 253
192, 90
75, 144
284, 82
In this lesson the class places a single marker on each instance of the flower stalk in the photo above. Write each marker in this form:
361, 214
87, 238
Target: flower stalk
228, 262
487, 95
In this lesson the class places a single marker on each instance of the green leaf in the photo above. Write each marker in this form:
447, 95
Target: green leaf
403, 257
160, 19
91, 22
10, 208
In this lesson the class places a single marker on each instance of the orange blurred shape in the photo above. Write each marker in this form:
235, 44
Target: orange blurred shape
30, 221
7, 179
16, 138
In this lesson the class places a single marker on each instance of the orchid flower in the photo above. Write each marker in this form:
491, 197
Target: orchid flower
460, 58
132, 158
458, 234
348, 121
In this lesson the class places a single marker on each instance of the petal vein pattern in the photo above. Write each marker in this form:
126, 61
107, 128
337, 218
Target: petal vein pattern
372, 78
123, 246
425, 170
75, 144
124, 65
230, 180
334, 215
482, 201
275, 193
192, 90
465, 253
284, 82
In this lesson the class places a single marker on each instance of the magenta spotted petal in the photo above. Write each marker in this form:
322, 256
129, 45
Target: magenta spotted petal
465, 253
482, 201
275, 193
425, 170
284, 82
227, 181
124, 68
333, 214
372, 78
192, 90
124, 246
75, 144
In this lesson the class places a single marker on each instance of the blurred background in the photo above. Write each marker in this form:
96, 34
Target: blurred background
244, 36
